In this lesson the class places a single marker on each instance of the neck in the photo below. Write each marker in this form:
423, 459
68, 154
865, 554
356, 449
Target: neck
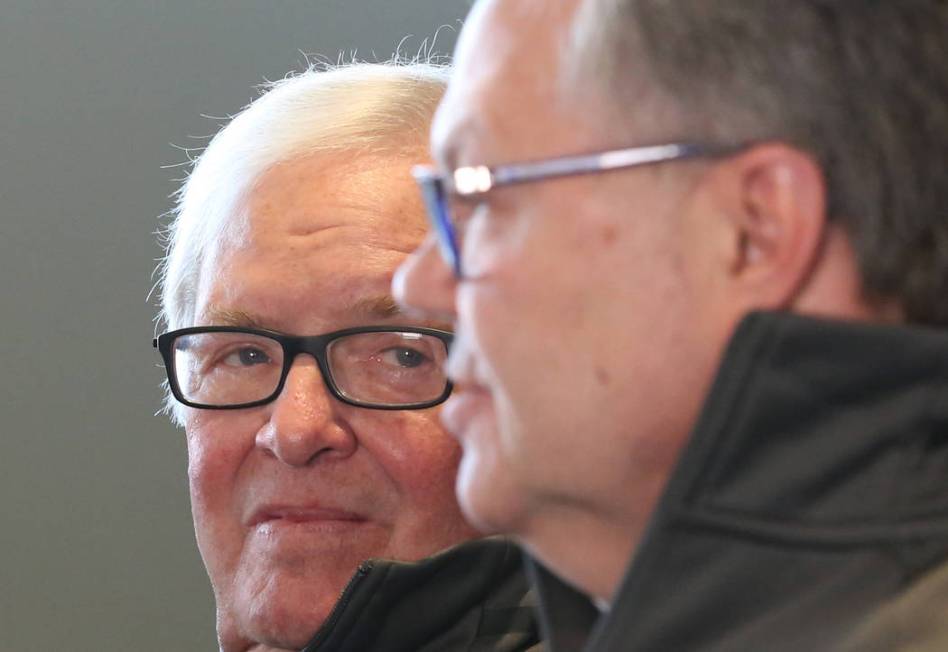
587, 550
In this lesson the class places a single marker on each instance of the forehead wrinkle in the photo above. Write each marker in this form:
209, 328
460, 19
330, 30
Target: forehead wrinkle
325, 217
377, 244
399, 228
343, 183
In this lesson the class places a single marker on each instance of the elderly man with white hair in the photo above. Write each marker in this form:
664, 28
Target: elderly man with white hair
321, 481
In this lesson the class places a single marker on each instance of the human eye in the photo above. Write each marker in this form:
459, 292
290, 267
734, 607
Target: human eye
245, 356
404, 357
388, 354
389, 367
228, 352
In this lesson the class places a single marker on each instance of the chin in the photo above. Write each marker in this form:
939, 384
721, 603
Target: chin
283, 613
490, 498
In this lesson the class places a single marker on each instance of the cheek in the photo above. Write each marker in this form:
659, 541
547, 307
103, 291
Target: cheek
420, 460
514, 323
218, 444
417, 455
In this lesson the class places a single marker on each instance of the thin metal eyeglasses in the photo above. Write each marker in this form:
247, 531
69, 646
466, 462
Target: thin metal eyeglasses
470, 182
378, 367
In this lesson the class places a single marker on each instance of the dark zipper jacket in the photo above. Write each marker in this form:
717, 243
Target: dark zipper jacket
471, 598
809, 510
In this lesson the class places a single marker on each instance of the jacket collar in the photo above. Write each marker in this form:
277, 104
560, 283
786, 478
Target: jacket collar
814, 486
828, 432
475, 591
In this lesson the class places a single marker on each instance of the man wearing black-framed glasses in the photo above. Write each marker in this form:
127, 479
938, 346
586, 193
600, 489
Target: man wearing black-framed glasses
696, 257
321, 480
375, 367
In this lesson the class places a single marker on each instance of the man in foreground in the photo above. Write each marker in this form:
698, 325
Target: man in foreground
696, 254
321, 481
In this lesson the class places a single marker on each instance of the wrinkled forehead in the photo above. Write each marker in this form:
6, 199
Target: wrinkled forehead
317, 224
368, 198
372, 194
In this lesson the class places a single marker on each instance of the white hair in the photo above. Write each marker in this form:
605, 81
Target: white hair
362, 108
358, 107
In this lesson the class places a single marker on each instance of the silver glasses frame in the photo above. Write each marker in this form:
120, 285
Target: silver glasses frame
472, 181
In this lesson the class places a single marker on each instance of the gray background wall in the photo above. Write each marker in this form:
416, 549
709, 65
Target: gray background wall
96, 548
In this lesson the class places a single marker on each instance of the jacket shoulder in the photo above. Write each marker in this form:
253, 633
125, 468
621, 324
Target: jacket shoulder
913, 621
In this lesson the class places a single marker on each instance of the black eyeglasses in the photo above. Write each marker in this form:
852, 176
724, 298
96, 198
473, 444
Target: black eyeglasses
378, 367
471, 182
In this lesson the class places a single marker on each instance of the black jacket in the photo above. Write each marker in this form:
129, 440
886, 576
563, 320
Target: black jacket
809, 510
471, 598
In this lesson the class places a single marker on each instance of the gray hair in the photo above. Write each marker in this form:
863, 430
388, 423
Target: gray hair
361, 108
860, 85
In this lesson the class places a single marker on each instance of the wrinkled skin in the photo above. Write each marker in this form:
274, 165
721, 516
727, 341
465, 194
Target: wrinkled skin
288, 498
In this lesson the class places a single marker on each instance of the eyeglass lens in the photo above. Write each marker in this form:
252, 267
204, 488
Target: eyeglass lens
384, 368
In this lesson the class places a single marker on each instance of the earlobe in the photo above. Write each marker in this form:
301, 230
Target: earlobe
779, 224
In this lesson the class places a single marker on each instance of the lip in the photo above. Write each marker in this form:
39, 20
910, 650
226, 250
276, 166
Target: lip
301, 514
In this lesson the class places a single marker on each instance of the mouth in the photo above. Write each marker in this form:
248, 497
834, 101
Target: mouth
301, 515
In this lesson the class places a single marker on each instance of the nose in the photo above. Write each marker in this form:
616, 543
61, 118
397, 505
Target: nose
304, 424
425, 284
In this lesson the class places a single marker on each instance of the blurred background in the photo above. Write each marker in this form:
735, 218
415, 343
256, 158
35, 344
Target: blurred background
96, 545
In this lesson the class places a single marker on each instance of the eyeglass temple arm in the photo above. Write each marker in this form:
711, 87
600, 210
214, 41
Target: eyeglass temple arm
603, 161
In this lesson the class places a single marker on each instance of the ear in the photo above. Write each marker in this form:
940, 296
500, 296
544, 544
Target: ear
777, 218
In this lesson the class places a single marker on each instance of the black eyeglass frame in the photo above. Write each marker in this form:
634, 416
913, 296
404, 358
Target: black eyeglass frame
473, 181
293, 345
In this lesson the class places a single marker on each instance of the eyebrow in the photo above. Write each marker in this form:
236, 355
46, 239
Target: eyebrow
235, 318
382, 306
385, 307
370, 309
